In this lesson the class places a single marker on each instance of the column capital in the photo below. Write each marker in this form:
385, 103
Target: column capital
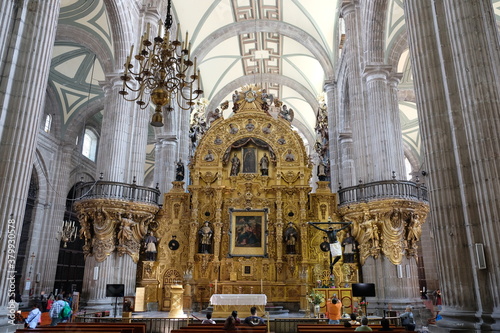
394, 79
111, 82
330, 86
377, 72
347, 7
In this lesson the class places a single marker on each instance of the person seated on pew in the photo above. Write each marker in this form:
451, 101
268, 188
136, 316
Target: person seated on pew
347, 324
364, 326
353, 320
385, 324
253, 319
209, 319
231, 321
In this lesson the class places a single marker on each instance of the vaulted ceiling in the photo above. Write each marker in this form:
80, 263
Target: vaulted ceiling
290, 47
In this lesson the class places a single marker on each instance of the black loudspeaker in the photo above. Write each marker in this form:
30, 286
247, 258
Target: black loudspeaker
115, 290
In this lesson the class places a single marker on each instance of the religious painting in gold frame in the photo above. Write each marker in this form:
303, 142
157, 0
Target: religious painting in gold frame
248, 232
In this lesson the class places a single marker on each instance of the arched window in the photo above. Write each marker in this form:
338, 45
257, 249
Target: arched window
89, 148
408, 169
48, 123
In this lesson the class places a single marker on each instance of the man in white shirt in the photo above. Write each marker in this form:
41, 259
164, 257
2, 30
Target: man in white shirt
34, 317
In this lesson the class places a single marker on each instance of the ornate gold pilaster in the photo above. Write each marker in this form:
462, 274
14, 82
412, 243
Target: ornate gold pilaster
389, 227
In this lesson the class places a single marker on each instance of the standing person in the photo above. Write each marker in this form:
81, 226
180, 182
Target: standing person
43, 301
50, 301
209, 319
334, 311
56, 309
407, 319
253, 319
34, 317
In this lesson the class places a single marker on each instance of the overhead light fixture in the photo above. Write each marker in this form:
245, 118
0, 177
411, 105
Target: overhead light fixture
68, 232
163, 72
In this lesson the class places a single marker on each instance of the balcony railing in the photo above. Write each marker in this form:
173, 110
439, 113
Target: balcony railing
388, 189
117, 191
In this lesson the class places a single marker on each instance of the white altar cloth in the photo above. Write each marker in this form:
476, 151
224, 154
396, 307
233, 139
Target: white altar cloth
238, 299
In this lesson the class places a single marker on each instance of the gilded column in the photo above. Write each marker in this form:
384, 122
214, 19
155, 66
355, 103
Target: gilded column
26, 41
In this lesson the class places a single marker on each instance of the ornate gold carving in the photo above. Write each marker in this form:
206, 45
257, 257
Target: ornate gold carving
388, 227
290, 177
113, 224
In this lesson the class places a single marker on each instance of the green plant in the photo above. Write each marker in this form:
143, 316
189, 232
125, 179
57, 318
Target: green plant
315, 298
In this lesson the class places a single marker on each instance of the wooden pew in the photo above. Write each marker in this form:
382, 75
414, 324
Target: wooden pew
221, 325
76, 329
216, 330
111, 327
138, 327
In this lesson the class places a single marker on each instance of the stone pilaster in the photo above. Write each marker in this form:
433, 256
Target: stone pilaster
28, 46
455, 69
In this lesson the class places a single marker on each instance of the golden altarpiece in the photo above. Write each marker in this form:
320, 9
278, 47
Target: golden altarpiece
242, 228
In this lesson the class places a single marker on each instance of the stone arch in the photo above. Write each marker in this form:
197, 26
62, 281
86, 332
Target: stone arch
374, 15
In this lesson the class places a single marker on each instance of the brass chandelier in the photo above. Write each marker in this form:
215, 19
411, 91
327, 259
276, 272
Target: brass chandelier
162, 75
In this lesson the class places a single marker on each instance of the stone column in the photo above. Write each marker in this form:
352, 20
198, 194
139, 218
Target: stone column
165, 156
353, 50
333, 133
385, 146
455, 69
27, 44
398, 150
118, 135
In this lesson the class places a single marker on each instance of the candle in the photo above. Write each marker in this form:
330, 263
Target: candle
215, 286
178, 32
147, 30
261, 287
194, 68
159, 28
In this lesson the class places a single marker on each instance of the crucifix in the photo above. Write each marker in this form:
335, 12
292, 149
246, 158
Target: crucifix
335, 248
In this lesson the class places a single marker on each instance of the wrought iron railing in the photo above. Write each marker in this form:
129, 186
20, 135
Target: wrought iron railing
117, 191
388, 189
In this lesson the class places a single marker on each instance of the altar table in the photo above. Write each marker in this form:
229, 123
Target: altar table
224, 304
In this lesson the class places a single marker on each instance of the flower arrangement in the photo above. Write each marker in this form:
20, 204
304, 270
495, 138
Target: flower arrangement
315, 298
363, 303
